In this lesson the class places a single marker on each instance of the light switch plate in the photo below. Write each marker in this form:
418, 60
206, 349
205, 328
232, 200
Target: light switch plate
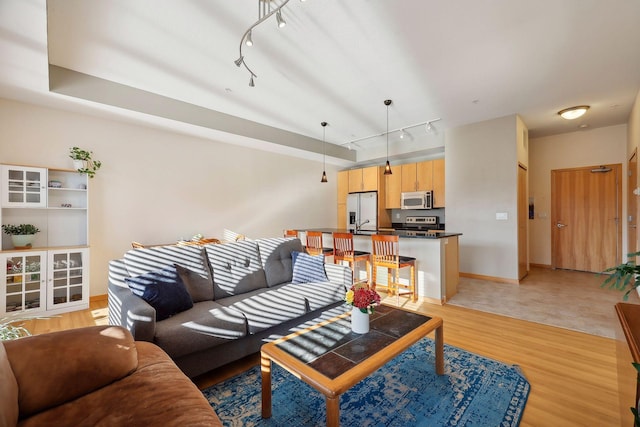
502, 216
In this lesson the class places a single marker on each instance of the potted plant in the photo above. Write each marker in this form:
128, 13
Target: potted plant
624, 275
83, 162
21, 235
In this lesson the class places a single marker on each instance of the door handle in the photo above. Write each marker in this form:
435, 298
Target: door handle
633, 226
560, 225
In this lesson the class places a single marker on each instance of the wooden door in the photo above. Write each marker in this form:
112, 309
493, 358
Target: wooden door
438, 183
632, 204
523, 215
408, 171
424, 176
586, 230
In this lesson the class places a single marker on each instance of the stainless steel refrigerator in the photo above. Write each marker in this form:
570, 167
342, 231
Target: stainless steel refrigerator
362, 211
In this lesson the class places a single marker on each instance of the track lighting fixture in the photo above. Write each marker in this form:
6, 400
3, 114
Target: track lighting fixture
324, 152
266, 8
387, 166
281, 22
429, 127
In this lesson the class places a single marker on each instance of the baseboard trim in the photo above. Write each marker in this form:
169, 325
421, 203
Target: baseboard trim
548, 266
98, 298
490, 278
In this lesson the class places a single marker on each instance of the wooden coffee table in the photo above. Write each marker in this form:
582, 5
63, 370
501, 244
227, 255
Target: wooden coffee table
331, 359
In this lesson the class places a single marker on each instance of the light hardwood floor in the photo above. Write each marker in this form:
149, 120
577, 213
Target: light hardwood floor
572, 374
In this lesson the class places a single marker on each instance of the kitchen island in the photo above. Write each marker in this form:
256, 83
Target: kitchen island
436, 254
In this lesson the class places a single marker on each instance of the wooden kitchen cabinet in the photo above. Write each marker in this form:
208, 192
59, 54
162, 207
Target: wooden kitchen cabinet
417, 176
438, 183
393, 188
365, 179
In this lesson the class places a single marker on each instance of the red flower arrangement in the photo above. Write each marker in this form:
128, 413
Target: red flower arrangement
362, 297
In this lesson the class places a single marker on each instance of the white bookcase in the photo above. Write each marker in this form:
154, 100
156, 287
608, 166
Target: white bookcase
53, 275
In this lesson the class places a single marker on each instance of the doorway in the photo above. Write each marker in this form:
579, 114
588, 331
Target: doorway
586, 231
632, 205
523, 218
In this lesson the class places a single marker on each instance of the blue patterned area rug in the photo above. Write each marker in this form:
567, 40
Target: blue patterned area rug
475, 391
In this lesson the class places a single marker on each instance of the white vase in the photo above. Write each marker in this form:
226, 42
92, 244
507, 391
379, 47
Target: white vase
22, 241
359, 321
80, 164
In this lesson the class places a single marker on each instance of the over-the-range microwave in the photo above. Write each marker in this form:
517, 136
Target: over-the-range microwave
417, 200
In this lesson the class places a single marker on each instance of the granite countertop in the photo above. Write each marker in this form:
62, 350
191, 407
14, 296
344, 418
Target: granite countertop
440, 234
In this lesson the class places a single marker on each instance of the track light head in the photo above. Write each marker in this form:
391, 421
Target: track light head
239, 61
248, 41
251, 83
281, 21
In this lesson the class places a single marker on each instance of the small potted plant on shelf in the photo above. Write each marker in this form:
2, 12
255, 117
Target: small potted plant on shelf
83, 162
21, 235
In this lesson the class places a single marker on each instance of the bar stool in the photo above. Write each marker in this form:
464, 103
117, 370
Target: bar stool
343, 251
290, 233
314, 244
386, 254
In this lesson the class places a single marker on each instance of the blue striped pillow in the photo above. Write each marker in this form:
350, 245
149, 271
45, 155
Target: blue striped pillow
307, 268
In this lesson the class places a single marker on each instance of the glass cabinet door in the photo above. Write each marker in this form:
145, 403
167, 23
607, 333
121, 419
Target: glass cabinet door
24, 186
23, 282
67, 278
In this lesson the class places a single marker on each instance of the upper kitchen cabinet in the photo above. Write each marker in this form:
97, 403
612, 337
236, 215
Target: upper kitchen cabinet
438, 183
417, 176
365, 179
393, 184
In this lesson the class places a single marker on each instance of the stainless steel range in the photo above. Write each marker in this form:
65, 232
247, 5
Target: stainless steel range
419, 223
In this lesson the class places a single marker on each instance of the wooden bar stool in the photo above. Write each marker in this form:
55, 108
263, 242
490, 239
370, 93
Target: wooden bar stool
314, 244
386, 254
343, 251
290, 233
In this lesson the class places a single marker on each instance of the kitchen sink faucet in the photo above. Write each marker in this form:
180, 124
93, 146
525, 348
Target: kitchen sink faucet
359, 226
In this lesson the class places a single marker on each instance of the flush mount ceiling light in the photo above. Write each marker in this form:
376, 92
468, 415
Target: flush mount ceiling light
266, 8
573, 112
324, 152
387, 166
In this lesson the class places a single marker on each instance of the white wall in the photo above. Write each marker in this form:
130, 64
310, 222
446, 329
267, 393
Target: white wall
157, 187
481, 180
569, 150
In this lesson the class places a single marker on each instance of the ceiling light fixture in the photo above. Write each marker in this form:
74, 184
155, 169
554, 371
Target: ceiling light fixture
403, 134
266, 8
324, 152
387, 166
404, 128
573, 112
281, 22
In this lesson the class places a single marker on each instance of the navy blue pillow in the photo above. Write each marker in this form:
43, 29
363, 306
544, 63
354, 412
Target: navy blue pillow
308, 268
164, 290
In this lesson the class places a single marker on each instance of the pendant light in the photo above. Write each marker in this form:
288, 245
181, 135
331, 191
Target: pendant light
324, 152
387, 166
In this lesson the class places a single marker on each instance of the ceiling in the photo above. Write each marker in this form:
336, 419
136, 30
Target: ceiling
460, 61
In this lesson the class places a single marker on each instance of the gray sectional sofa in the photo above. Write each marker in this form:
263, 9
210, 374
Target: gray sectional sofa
242, 296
